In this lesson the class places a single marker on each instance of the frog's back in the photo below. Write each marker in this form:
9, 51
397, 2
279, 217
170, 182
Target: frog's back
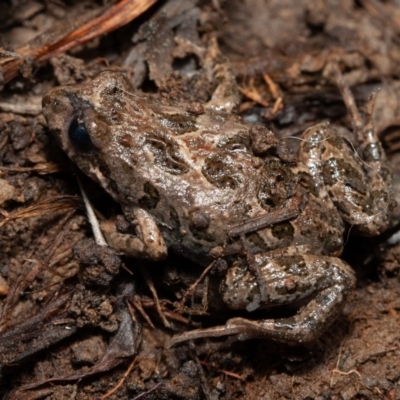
194, 170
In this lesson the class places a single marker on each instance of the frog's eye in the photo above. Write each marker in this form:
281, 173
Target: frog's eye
78, 135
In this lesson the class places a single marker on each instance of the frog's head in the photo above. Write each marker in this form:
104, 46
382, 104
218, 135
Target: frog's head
89, 122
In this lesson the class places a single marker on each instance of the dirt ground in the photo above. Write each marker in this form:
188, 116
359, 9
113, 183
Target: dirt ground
80, 322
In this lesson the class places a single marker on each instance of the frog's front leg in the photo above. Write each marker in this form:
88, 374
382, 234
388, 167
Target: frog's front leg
359, 188
148, 243
289, 277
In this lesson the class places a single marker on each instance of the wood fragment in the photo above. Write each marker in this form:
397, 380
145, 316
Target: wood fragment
121, 381
55, 204
153, 291
71, 33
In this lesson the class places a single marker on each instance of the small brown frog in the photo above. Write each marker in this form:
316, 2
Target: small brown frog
205, 184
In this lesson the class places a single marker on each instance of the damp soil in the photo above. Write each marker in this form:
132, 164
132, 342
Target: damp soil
79, 321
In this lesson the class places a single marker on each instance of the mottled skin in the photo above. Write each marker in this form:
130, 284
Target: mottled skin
206, 184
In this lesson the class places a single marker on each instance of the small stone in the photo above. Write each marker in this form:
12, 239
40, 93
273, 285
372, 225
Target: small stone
7, 192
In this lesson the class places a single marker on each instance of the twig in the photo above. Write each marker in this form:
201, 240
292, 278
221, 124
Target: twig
122, 380
60, 203
223, 371
94, 223
192, 288
71, 33
352, 371
136, 303
150, 391
153, 291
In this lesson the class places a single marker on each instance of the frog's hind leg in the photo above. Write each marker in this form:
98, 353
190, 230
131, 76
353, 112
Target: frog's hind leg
323, 282
359, 188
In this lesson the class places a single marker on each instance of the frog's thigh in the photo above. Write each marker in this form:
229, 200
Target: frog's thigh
358, 188
148, 245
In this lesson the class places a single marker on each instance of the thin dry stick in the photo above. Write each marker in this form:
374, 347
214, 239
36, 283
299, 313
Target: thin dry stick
94, 223
149, 303
63, 228
352, 371
337, 363
44, 168
153, 291
253, 94
143, 313
176, 317
71, 33
192, 288
122, 380
118, 15
131, 311
272, 86
223, 371
58, 204
150, 391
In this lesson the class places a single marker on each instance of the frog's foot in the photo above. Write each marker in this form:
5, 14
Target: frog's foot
288, 278
148, 244
359, 188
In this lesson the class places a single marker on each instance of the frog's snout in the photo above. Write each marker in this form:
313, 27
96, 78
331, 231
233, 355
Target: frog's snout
56, 107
